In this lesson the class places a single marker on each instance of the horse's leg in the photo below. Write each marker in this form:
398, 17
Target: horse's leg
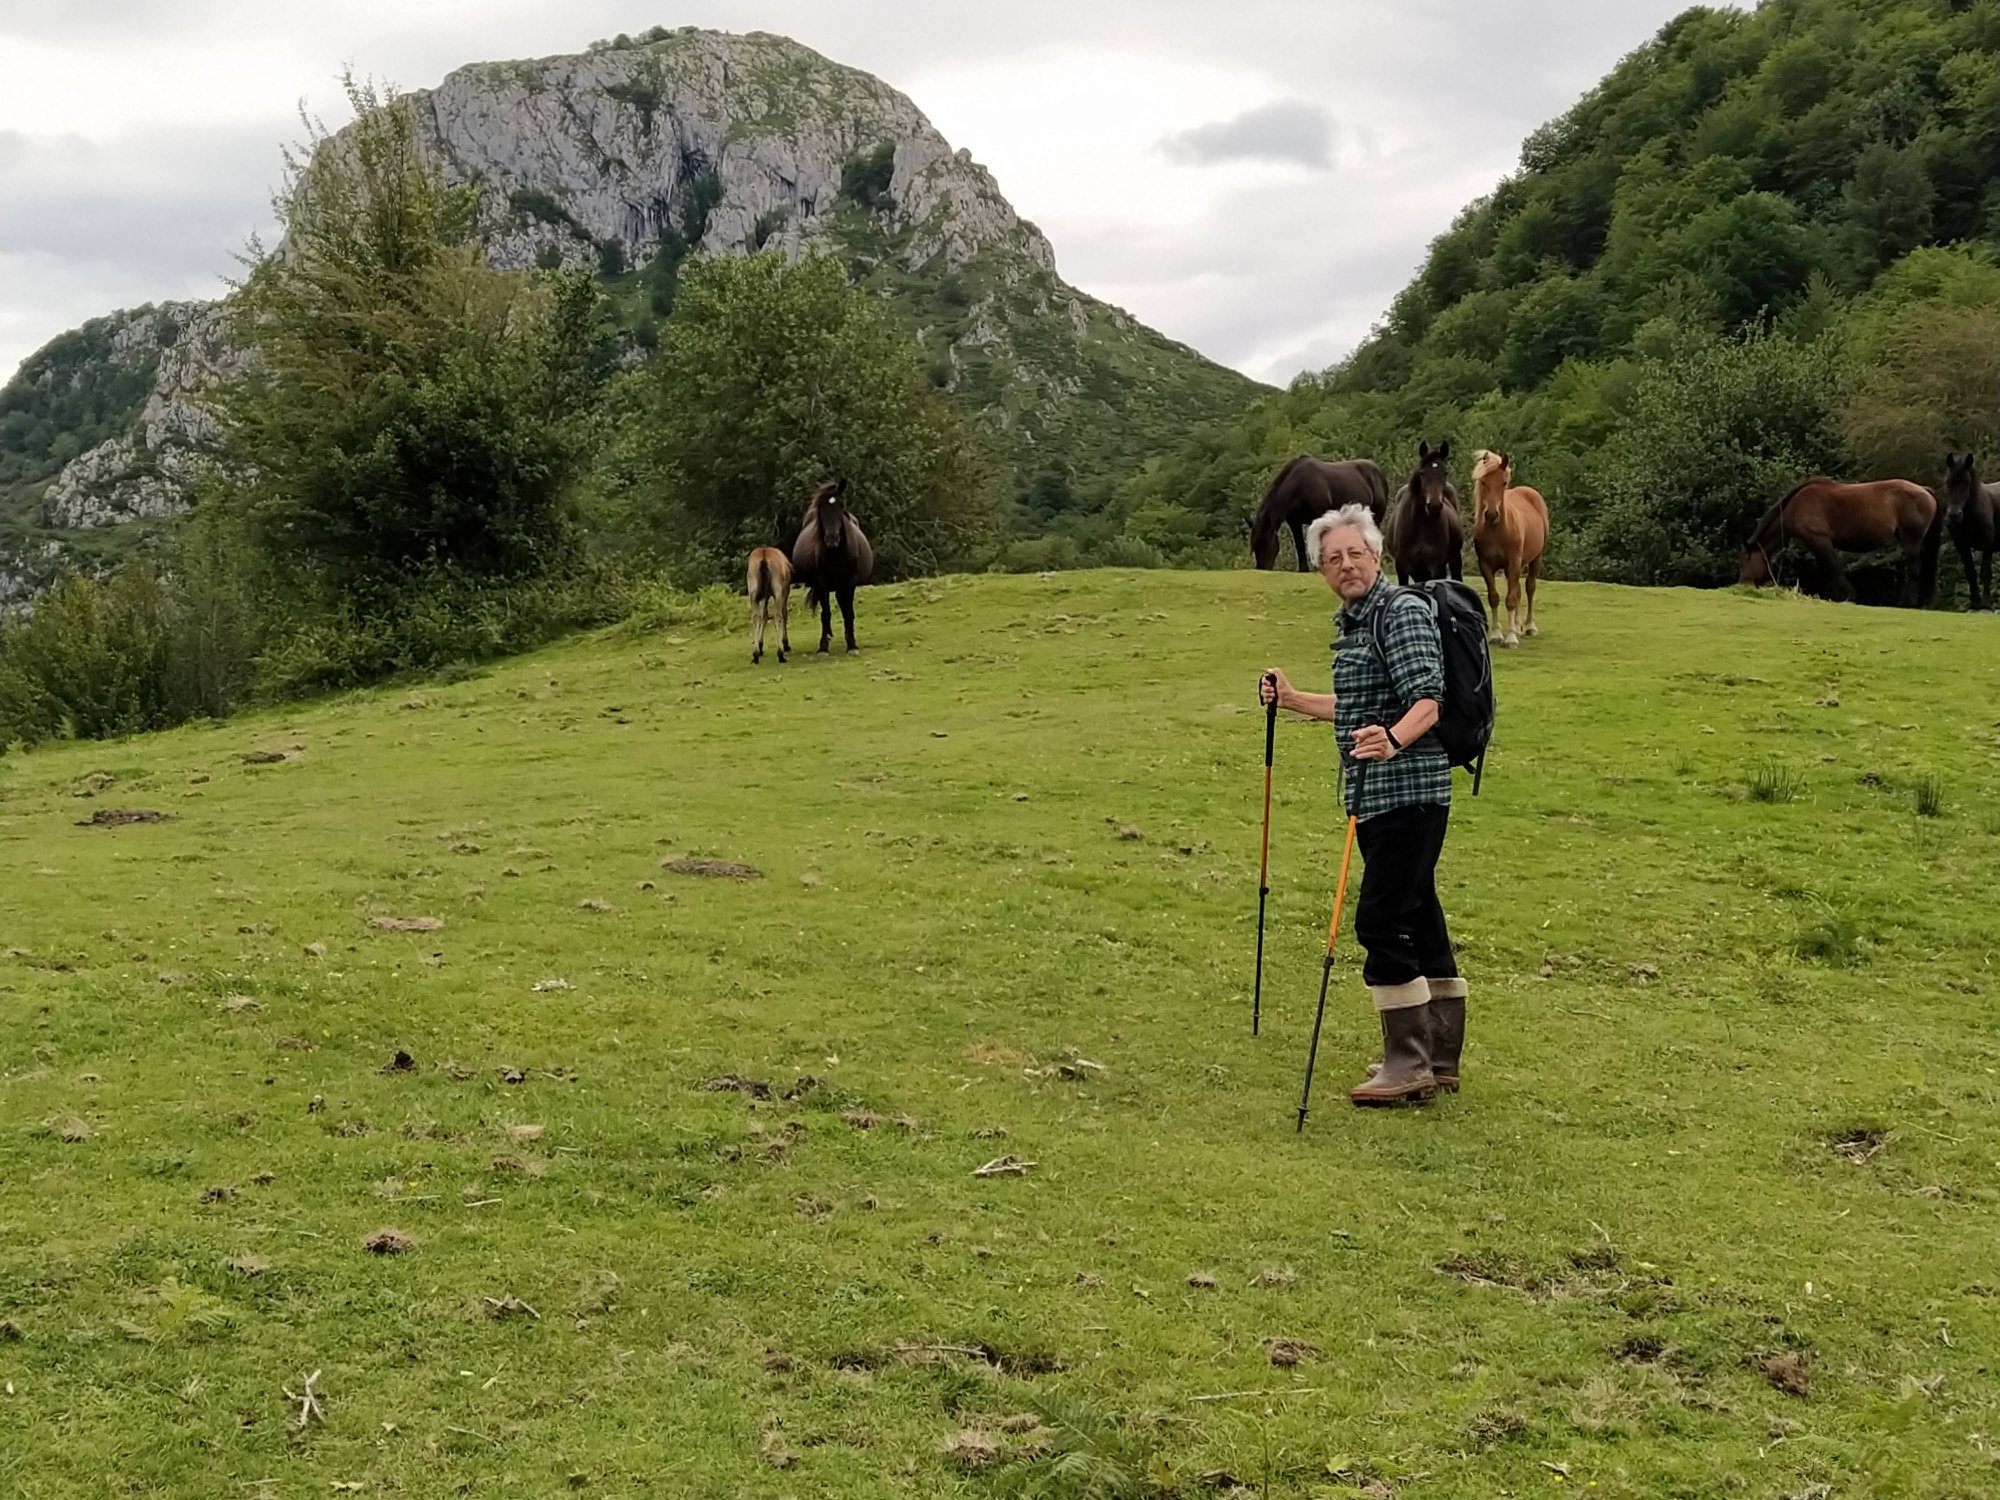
847, 614
1492, 599
825, 622
758, 609
1833, 573
784, 620
1299, 542
1513, 637
1971, 577
1534, 577
1989, 577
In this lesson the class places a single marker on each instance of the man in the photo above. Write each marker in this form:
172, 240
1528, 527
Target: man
1388, 680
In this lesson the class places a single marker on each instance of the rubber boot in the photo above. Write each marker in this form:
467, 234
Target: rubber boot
1447, 1035
1447, 1039
1405, 1075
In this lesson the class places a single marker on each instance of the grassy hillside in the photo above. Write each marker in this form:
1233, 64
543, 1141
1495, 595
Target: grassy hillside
1798, 170
1714, 1214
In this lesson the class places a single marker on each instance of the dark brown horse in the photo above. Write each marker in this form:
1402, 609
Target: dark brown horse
1830, 518
1426, 534
832, 558
1972, 516
1305, 489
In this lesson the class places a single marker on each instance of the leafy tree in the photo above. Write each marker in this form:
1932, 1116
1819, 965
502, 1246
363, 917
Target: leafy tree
1713, 436
773, 377
409, 407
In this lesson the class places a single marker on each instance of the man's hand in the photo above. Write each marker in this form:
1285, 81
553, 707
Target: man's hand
1272, 687
1372, 743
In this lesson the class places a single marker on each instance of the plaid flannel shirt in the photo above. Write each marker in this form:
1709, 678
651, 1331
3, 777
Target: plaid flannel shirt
1372, 687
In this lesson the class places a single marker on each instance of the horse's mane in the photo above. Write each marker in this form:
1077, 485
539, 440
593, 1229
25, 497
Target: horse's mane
1771, 516
1485, 462
1267, 516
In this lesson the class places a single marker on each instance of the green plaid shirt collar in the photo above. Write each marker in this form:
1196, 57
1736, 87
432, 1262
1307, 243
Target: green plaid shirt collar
1377, 687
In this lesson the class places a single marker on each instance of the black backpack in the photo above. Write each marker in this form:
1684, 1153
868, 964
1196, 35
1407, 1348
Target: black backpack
1465, 717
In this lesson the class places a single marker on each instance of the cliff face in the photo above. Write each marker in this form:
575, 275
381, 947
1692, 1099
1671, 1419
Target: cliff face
627, 159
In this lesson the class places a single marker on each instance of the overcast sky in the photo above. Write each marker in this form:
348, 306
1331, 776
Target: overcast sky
1255, 177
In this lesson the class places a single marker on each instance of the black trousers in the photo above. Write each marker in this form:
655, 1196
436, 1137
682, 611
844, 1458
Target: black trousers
1398, 918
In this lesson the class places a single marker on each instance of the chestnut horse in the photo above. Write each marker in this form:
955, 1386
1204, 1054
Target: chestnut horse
1831, 518
1510, 531
1426, 534
770, 584
832, 558
1972, 516
1305, 489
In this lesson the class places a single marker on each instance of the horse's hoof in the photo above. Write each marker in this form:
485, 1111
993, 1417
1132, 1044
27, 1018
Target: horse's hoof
1511, 642
1532, 630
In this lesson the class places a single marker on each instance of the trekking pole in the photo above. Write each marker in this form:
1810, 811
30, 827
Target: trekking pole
1326, 972
1264, 869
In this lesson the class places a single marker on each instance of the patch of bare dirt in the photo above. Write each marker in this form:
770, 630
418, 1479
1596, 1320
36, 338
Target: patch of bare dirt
1863, 1143
1287, 1352
249, 1265
402, 1062
268, 757
297, 1044
712, 869
736, 1083
407, 924
972, 1450
120, 817
387, 1241
1789, 1371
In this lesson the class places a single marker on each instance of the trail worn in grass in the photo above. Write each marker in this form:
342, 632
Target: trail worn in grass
433, 1065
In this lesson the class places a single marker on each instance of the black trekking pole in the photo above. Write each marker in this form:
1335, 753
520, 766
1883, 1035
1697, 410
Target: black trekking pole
1264, 869
1326, 970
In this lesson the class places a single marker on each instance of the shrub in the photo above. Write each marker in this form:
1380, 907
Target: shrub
865, 179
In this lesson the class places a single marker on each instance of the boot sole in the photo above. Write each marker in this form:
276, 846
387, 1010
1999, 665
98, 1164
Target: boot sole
1447, 1084
1421, 1095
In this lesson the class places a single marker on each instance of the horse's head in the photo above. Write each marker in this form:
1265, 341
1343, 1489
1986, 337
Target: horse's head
829, 513
1756, 567
1430, 482
1490, 474
1263, 540
1961, 483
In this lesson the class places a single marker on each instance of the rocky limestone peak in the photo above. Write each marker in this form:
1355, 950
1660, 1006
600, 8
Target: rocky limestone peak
607, 147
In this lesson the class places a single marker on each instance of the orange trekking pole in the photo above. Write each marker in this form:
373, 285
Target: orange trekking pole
1264, 870
1326, 972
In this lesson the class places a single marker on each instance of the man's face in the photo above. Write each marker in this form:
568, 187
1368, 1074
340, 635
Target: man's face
1346, 564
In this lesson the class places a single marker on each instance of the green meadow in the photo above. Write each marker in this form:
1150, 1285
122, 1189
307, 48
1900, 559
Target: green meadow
1715, 1215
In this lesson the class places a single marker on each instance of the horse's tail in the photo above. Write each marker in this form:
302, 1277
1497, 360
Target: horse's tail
1927, 568
1378, 490
761, 584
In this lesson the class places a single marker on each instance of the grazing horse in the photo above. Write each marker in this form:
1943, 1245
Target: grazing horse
1426, 534
770, 584
1972, 516
832, 558
1510, 531
1831, 518
1305, 489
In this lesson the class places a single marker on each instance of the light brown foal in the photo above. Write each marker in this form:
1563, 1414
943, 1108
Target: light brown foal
770, 584
1510, 532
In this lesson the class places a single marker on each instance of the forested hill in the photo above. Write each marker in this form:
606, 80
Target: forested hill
1763, 245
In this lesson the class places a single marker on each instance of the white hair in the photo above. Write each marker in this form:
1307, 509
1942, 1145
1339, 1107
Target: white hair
1357, 516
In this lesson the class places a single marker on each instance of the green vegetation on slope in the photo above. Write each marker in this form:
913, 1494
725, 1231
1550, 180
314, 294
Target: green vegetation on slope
1721, 1175
1741, 172
69, 396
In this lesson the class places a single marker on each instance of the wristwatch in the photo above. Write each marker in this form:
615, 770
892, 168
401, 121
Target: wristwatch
1398, 744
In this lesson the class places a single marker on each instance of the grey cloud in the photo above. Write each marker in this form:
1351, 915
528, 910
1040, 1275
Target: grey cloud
1289, 130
